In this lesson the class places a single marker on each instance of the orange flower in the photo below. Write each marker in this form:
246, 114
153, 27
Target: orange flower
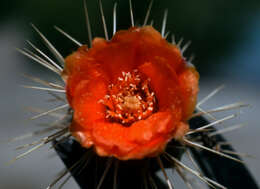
130, 95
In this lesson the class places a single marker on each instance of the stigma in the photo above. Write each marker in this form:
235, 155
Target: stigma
129, 99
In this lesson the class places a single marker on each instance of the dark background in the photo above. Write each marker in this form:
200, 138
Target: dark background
225, 39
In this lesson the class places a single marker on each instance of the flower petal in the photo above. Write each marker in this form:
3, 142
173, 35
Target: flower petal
86, 103
90, 72
116, 56
164, 83
189, 84
140, 140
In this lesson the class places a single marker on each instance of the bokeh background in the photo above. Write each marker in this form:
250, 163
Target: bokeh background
225, 39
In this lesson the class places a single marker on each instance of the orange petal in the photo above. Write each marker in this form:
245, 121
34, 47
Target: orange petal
189, 85
164, 82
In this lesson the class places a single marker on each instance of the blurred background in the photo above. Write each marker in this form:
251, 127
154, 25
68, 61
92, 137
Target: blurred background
225, 39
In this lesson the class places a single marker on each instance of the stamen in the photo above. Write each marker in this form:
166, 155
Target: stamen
130, 99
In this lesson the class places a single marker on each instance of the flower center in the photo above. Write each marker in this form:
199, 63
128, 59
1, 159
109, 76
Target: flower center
130, 99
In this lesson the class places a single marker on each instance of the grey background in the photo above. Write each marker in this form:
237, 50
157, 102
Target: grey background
225, 39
